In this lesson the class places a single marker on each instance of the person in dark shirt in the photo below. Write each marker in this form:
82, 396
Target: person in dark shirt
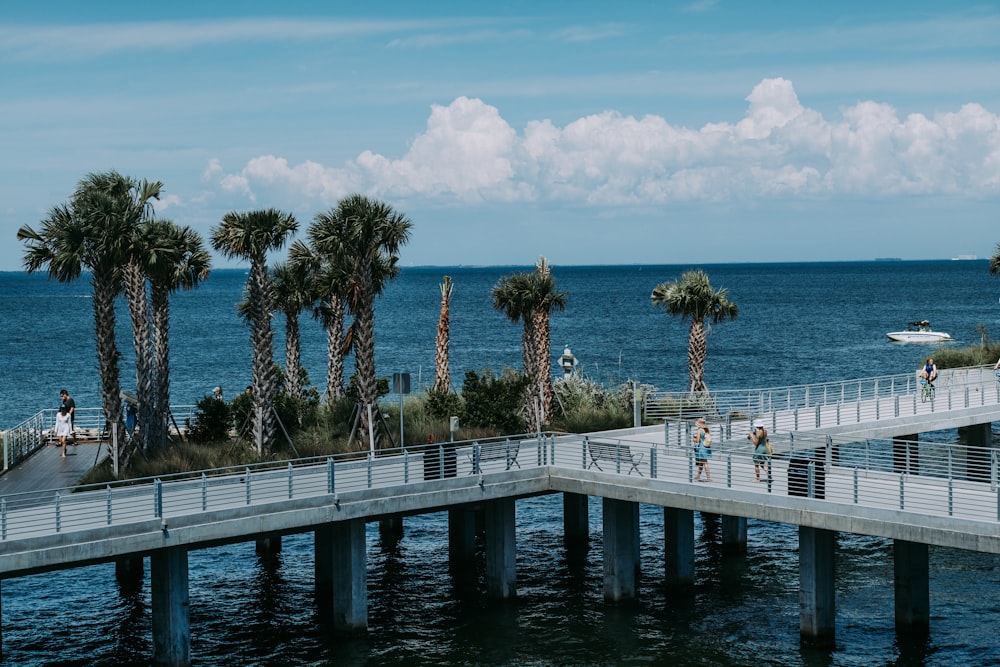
70, 406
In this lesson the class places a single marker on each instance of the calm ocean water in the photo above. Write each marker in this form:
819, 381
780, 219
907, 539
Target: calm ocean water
798, 323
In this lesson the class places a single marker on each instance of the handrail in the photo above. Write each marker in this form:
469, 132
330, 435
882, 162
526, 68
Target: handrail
927, 478
745, 403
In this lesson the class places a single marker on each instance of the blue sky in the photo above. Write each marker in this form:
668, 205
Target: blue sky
592, 133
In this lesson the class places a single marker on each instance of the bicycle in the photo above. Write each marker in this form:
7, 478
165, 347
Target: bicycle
927, 390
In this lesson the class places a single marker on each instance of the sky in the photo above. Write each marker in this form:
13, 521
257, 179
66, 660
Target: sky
632, 132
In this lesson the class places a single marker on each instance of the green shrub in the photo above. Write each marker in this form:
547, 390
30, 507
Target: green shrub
494, 402
442, 404
211, 421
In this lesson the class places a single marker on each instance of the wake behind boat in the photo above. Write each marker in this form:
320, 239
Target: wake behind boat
919, 332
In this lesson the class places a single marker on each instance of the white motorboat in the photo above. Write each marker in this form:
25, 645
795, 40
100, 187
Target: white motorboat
919, 332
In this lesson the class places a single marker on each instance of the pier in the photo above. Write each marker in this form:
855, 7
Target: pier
843, 463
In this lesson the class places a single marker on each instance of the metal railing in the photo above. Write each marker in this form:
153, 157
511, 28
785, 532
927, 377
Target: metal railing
21, 440
924, 478
832, 403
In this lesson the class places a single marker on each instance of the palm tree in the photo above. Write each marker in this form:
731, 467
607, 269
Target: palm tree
366, 235
442, 376
545, 299
116, 208
693, 298
995, 262
329, 284
250, 236
512, 297
177, 260
293, 293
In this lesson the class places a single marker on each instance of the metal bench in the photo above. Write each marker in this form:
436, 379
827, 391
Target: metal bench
498, 450
613, 452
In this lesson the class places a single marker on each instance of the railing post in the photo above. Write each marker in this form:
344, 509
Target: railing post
247, 476
158, 498
951, 496
406, 466
855, 485
204, 492
618, 457
371, 463
291, 493
330, 488
3, 518
819, 417
107, 495
729, 471
896, 406
652, 462
902, 490
811, 479
795, 414
583, 453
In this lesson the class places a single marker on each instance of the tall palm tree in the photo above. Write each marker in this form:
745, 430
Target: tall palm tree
177, 260
693, 298
64, 247
442, 375
329, 284
293, 293
250, 236
512, 296
365, 234
544, 299
117, 206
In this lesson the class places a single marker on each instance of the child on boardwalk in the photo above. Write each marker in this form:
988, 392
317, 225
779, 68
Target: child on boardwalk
760, 448
63, 428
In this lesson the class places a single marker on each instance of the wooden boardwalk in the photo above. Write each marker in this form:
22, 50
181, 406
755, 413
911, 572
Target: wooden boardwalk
46, 469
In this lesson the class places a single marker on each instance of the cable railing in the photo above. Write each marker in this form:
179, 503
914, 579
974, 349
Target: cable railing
20, 441
831, 403
924, 478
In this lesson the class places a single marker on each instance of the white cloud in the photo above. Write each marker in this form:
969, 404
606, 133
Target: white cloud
779, 149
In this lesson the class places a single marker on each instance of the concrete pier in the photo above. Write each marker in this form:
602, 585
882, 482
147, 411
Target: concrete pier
168, 569
350, 577
621, 549
912, 589
576, 521
323, 568
817, 601
734, 534
678, 548
501, 548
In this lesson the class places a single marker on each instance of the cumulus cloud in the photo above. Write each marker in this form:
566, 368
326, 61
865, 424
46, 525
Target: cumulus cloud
779, 148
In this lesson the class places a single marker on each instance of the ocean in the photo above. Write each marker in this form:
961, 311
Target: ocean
798, 323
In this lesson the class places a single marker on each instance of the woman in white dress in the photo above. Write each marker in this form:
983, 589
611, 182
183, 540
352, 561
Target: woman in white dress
63, 428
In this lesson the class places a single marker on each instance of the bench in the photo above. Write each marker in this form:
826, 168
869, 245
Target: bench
613, 452
505, 450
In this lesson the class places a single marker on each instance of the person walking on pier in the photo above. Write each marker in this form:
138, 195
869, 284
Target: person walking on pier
70, 406
761, 448
703, 452
63, 428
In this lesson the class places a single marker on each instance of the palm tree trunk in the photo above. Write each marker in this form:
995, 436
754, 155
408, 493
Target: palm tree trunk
442, 377
293, 358
262, 343
107, 347
530, 362
160, 302
543, 363
138, 306
697, 349
364, 347
335, 351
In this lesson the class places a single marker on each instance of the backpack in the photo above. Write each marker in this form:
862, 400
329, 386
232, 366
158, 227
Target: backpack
707, 440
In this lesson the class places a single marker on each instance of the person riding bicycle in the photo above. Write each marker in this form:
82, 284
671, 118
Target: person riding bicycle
929, 372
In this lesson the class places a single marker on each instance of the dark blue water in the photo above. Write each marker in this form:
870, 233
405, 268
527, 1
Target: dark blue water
798, 323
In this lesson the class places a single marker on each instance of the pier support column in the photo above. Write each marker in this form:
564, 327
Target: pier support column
268, 547
678, 548
817, 602
390, 531
129, 572
621, 549
977, 440
168, 574
910, 579
501, 548
350, 577
906, 454
576, 522
461, 536
323, 568
734, 534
